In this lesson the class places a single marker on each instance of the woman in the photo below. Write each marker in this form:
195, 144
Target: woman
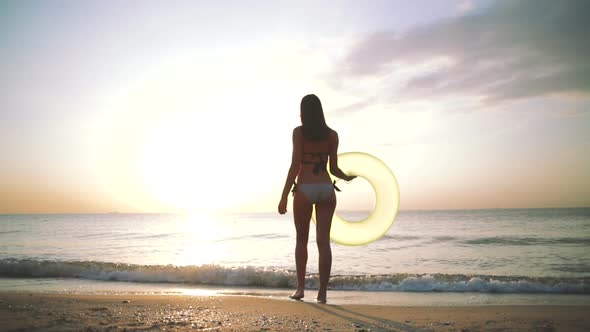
314, 143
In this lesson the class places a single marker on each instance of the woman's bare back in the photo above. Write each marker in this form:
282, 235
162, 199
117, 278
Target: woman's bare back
314, 157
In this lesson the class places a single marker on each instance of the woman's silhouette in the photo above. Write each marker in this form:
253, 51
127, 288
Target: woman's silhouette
314, 144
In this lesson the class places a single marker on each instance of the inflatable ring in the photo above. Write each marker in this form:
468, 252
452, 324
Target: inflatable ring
386, 201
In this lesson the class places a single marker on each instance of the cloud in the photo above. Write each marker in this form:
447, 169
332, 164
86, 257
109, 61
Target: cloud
511, 50
353, 107
465, 6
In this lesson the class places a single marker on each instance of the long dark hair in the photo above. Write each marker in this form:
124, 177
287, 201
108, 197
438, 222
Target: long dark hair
312, 119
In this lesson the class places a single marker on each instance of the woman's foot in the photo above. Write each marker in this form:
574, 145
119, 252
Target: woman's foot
298, 295
321, 298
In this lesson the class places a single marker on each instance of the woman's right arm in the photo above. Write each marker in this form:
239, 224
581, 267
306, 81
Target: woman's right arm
334, 169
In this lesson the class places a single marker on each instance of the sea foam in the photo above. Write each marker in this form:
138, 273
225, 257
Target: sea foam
278, 278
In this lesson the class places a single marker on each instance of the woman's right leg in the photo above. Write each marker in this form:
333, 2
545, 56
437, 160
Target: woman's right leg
324, 214
302, 209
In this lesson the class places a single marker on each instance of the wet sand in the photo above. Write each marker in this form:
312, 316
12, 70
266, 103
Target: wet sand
62, 312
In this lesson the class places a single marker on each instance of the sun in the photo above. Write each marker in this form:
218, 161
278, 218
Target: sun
193, 135
188, 164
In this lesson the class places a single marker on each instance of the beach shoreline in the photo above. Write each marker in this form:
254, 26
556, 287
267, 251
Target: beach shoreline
73, 312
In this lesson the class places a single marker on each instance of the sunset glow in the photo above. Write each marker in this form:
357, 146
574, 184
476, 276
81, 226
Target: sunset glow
183, 106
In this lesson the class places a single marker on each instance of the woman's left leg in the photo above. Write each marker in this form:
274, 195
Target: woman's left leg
324, 213
302, 209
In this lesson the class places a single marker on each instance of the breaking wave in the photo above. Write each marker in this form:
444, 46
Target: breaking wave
277, 278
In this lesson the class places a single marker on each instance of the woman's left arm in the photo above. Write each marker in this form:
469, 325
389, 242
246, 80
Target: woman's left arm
293, 171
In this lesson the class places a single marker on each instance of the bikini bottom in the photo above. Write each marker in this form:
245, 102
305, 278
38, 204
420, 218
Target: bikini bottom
316, 192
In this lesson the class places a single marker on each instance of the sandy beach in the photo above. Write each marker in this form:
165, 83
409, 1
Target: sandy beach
62, 312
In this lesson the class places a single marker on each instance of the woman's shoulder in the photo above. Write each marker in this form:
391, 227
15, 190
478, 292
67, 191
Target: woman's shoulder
332, 135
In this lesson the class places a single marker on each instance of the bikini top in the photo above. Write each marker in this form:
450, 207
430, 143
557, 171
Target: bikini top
319, 164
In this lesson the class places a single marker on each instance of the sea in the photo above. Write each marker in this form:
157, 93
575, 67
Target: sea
448, 257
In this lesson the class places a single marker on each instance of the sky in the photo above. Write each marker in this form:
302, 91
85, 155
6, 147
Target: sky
166, 106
